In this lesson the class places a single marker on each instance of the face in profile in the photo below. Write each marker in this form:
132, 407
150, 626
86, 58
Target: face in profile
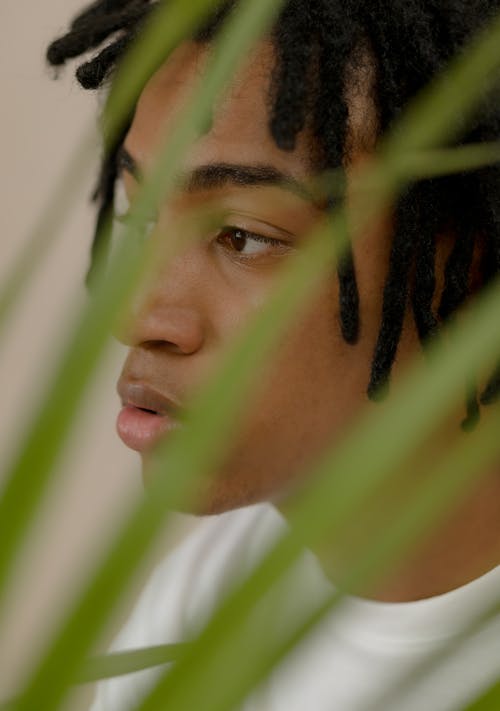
315, 383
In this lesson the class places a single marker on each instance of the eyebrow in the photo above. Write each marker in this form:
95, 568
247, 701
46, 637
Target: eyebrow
218, 175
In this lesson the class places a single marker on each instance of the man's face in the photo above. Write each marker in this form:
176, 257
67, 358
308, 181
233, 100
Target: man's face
316, 382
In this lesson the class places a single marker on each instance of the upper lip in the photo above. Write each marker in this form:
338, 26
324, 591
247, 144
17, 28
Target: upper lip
144, 397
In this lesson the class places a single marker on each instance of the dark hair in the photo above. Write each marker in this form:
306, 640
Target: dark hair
411, 41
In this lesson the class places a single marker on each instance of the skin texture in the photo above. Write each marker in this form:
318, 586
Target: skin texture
315, 385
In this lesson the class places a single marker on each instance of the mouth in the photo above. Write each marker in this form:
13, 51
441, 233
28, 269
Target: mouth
146, 416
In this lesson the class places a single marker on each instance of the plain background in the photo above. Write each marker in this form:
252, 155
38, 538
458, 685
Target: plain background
42, 122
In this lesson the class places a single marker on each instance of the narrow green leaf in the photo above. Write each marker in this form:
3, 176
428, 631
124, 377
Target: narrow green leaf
435, 163
489, 701
118, 561
43, 445
235, 632
50, 681
107, 666
169, 24
443, 108
48, 225
420, 165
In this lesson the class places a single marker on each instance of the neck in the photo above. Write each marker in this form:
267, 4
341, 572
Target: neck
464, 546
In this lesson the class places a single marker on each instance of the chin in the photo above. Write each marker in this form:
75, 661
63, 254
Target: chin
221, 496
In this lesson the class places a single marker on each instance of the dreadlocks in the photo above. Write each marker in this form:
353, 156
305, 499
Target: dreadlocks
411, 41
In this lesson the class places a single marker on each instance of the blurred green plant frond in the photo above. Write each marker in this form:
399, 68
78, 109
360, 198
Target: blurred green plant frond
207, 673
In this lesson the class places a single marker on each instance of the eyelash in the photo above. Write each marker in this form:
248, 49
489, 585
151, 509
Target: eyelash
122, 212
227, 230
232, 230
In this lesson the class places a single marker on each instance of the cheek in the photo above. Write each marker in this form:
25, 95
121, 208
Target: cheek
324, 377
233, 296
311, 389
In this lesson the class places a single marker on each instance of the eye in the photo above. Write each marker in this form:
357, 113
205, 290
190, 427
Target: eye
249, 244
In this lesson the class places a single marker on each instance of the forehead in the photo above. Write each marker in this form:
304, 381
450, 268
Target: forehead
240, 129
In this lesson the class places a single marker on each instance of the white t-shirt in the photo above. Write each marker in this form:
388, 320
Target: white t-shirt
348, 662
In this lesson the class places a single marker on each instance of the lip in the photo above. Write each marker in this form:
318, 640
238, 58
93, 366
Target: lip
146, 416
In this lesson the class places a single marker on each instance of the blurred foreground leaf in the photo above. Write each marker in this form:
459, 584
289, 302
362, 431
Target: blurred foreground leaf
429, 394
112, 665
490, 701
168, 25
31, 473
44, 441
59, 206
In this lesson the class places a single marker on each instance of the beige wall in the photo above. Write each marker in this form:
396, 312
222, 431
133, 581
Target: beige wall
41, 122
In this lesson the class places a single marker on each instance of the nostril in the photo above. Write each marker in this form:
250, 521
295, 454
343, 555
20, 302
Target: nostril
158, 345
165, 328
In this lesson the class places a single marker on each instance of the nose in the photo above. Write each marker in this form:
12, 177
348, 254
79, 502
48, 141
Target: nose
170, 313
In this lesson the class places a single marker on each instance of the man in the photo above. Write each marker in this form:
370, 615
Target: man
315, 94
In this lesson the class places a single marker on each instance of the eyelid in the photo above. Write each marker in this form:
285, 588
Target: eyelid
122, 209
250, 222
259, 236
278, 247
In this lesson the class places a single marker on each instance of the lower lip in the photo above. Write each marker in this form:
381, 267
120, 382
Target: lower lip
141, 430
